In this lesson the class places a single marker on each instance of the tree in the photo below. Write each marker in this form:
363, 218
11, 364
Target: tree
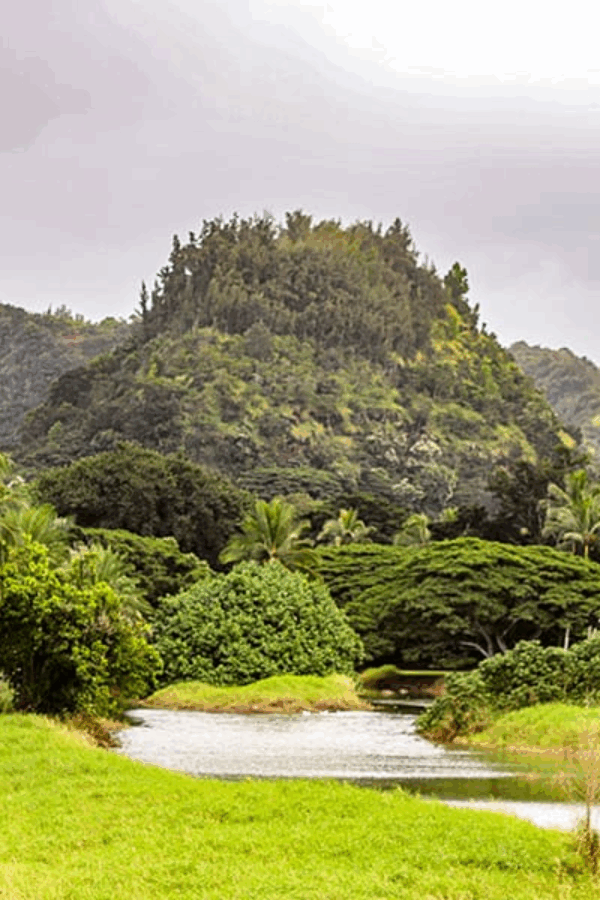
251, 623
348, 528
66, 647
451, 602
272, 532
414, 532
573, 513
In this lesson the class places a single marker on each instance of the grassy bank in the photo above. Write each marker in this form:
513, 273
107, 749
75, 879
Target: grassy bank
552, 729
85, 824
282, 693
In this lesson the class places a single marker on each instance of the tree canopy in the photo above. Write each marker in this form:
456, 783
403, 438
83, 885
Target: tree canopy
452, 602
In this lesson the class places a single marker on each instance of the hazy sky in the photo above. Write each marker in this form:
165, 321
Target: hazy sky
126, 121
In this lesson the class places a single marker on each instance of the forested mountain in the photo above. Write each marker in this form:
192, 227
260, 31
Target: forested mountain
37, 348
307, 358
571, 384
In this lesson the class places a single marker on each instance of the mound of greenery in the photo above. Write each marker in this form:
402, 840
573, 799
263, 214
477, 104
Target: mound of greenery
328, 355
37, 348
448, 603
142, 491
254, 622
525, 676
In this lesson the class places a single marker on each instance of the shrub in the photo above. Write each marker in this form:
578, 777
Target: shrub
465, 707
66, 648
527, 675
254, 622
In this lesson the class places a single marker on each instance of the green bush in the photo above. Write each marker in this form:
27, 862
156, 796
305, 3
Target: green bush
64, 647
465, 707
254, 622
527, 675
585, 672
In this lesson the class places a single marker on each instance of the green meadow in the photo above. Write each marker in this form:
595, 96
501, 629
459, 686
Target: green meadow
81, 823
550, 728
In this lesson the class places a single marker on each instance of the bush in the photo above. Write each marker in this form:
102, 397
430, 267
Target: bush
465, 707
65, 648
585, 671
254, 622
527, 675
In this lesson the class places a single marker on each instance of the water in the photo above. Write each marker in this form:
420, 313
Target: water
374, 749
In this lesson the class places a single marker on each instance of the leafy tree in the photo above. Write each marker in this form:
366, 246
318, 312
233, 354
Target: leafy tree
415, 531
272, 533
65, 647
450, 602
573, 513
145, 492
251, 623
157, 564
348, 528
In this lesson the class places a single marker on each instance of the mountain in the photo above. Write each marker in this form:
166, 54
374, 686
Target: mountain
307, 358
35, 349
571, 384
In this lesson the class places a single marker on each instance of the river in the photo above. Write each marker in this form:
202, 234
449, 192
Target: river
375, 749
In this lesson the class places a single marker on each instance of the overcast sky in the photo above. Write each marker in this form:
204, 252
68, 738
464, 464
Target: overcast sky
126, 121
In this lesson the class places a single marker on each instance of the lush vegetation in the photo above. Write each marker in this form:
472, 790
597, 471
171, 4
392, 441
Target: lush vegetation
523, 677
571, 384
37, 348
448, 603
83, 823
280, 693
554, 729
309, 357
142, 491
254, 622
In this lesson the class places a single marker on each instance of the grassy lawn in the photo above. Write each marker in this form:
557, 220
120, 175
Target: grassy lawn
80, 823
281, 693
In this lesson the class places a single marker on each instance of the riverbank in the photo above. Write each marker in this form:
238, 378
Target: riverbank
552, 730
279, 694
86, 823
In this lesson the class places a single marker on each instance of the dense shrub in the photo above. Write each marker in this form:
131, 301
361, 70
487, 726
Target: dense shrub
527, 675
64, 647
254, 622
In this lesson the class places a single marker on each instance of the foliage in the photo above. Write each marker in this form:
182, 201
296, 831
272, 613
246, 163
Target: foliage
450, 602
571, 384
525, 676
270, 533
415, 531
573, 513
253, 622
142, 491
65, 647
320, 349
348, 528
156, 563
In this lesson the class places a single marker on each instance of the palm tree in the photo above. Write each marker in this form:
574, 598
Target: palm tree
272, 533
414, 532
94, 564
346, 529
20, 522
573, 514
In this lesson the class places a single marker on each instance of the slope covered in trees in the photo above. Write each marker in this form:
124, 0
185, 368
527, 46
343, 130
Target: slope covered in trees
37, 348
571, 384
307, 358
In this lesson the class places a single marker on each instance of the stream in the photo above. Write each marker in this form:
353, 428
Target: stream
373, 749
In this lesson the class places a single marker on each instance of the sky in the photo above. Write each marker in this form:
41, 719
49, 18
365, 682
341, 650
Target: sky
127, 121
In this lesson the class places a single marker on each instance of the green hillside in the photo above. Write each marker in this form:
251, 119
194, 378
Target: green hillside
571, 383
37, 348
307, 358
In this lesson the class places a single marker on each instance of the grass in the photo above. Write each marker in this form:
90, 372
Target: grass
281, 693
550, 729
79, 823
